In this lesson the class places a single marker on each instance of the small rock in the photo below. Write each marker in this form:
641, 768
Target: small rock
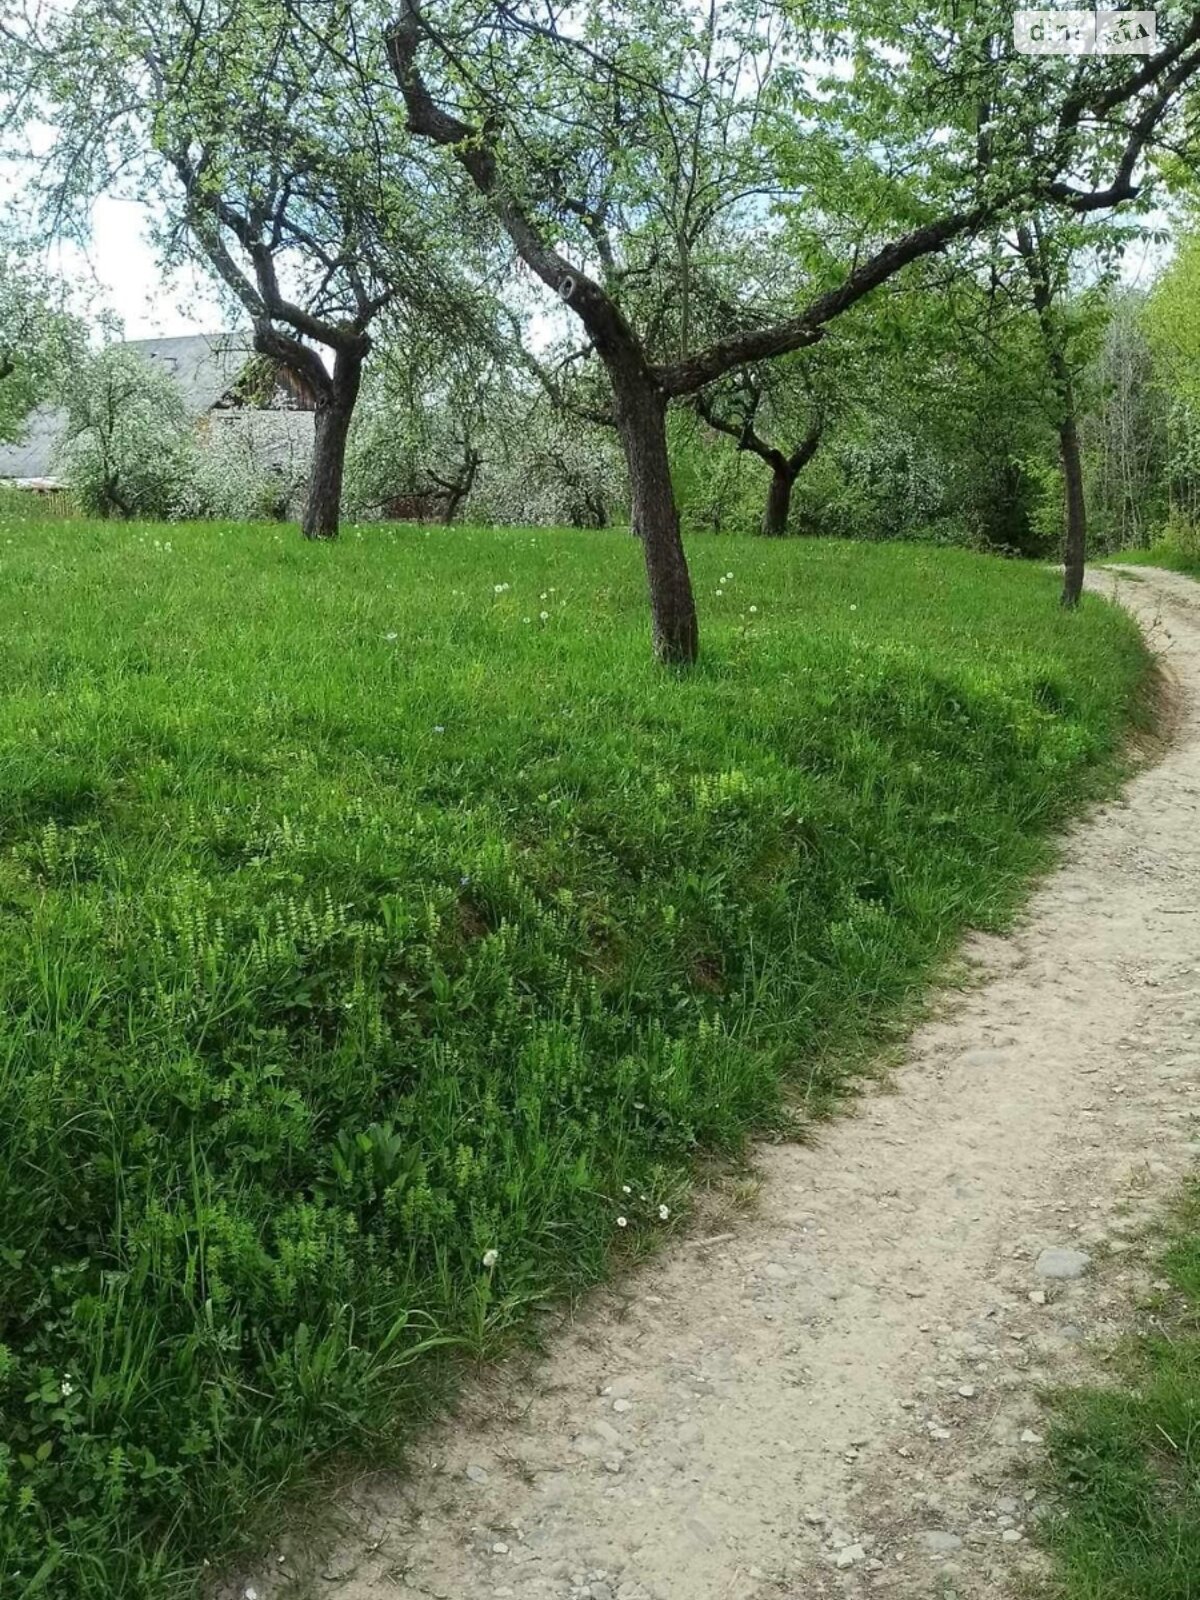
967, 1390
1011, 1535
937, 1542
1037, 1297
499, 1548
621, 1406
1007, 1504
1060, 1262
849, 1554
476, 1473
1029, 1437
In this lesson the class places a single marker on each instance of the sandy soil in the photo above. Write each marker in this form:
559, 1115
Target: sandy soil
839, 1395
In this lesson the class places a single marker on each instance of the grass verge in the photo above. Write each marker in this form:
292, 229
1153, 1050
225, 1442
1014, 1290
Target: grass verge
1126, 1456
1168, 556
368, 909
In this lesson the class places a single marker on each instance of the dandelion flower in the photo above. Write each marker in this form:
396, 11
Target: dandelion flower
753, 609
490, 1258
854, 608
625, 1189
438, 728
390, 636
622, 1222
545, 615
663, 1213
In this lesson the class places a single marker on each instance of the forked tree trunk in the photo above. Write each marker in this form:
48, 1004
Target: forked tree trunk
779, 501
1075, 540
641, 411
335, 408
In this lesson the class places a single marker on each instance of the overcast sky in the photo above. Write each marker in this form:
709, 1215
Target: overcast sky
121, 271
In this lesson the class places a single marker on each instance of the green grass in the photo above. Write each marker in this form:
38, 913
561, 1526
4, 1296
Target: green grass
1126, 1457
1167, 555
367, 908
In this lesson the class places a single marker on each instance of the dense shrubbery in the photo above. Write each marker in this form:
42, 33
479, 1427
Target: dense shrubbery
132, 450
367, 909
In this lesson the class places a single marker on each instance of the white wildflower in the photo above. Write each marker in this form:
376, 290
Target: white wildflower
490, 1258
438, 728
622, 1222
545, 615
753, 610
390, 636
66, 1388
663, 1213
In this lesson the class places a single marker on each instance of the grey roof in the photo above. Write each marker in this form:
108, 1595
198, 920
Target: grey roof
33, 454
204, 365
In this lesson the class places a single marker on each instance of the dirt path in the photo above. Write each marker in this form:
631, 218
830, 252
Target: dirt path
839, 1397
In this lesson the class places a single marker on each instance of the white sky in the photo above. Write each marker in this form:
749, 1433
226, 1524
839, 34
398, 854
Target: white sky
121, 272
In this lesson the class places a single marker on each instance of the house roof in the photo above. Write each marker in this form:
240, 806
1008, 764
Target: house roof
204, 365
33, 454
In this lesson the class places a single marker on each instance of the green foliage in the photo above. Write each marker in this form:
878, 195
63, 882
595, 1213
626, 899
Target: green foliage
39, 339
128, 449
1127, 1456
368, 908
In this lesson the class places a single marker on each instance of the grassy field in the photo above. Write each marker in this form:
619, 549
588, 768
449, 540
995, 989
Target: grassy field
1171, 556
1127, 1456
367, 910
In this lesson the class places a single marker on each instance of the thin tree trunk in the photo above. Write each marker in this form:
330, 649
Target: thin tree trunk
335, 408
1033, 249
1075, 542
779, 501
642, 424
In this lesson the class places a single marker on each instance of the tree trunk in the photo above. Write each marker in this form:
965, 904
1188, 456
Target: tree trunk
779, 501
1075, 542
641, 411
335, 408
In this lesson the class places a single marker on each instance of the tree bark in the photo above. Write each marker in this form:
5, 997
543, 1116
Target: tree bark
1033, 247
1075, 540
779, 501
641, 410
335, 408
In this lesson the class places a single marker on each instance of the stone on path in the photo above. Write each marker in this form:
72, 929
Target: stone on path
1060, 1262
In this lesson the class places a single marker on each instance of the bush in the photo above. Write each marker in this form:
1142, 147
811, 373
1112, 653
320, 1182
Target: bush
128, 449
